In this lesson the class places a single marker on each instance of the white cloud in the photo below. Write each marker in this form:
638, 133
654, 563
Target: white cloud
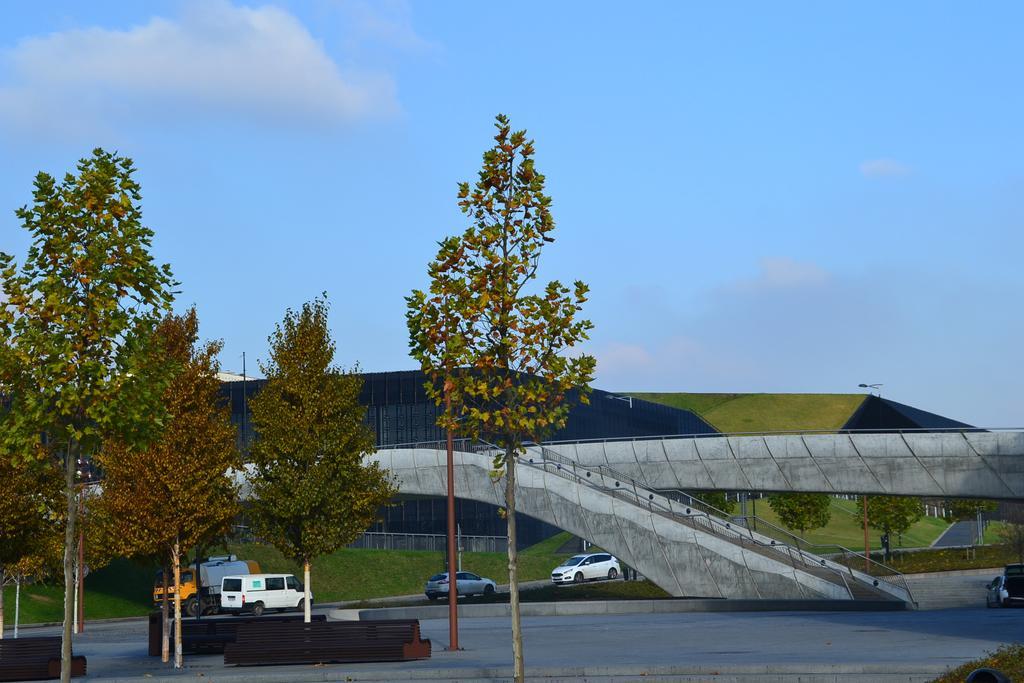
253, 64
782, 272
882, 168
388, 23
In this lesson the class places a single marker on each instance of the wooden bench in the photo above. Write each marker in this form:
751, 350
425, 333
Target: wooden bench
396, 640
33, 659
209, 635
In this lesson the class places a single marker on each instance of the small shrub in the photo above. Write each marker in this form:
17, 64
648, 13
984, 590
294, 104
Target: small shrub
1008, 659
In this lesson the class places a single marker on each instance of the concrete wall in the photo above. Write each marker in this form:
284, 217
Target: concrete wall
948, 465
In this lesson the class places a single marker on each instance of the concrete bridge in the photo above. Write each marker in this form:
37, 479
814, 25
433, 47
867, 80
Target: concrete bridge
685, 551
612, 493
943, 464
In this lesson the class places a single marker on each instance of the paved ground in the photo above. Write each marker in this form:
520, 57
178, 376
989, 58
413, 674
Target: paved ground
760, 646
958, 534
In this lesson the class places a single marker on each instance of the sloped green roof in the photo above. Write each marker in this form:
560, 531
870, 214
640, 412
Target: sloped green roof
763, 412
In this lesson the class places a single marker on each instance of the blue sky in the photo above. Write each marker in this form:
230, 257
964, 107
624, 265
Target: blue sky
762, 196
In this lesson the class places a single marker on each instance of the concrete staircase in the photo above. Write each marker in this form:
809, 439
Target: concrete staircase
947, 590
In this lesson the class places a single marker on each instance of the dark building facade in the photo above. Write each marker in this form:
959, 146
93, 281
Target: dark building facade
399, 412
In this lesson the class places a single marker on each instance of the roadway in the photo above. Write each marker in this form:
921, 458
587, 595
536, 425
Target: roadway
756, 646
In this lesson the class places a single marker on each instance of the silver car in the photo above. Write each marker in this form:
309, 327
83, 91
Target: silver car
468, 584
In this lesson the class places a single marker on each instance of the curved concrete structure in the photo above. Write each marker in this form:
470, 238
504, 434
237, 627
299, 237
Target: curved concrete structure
970, 464
686, 552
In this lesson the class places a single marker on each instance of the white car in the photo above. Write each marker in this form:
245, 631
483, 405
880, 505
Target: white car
467, 582
1005, 591
580, 568
259, 592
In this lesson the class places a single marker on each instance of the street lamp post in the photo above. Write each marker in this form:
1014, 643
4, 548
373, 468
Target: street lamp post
877, 386
453, 591
627, 399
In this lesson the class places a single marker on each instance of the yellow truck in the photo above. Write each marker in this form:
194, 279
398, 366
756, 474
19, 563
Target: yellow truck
211, 571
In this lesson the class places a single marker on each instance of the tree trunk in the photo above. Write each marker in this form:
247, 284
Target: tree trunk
69, 560
513, 565
176, 561
1, 604
305, 600
165, 631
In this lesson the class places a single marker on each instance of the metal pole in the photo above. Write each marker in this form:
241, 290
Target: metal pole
245, 408
453, 591
867, 548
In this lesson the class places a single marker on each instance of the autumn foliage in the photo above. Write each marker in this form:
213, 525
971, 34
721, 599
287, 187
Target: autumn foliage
179, 491
74, 314
496, 351
179, 488
312, 491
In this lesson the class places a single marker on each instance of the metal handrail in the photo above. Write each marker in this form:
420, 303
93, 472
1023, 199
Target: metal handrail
793, 432
700, 518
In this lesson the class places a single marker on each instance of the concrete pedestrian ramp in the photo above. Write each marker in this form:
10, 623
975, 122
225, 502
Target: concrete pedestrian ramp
971, 463
682, 549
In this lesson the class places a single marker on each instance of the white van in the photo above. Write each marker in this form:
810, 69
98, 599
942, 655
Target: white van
257, 593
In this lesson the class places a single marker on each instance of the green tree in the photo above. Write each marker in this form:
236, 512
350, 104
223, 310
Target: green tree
713, 501
893, 514
802, 511
495, 354
967, 509
312, 491
178, 492
1011, 532
86, 296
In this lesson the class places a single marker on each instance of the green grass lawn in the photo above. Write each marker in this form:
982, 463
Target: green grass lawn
844, 528
125, 589
944, 560
122, 589
763, 412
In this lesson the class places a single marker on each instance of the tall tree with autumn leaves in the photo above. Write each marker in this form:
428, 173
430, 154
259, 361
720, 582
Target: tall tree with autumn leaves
312, 491
178, 492
497, 355
73, 316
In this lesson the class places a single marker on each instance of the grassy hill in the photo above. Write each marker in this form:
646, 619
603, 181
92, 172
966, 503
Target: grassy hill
844, 527
763, 412
125, 589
